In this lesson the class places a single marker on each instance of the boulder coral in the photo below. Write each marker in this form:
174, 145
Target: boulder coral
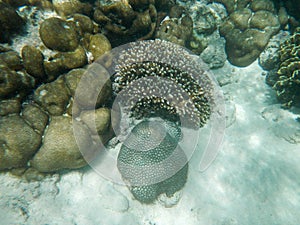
46, 142
248, 29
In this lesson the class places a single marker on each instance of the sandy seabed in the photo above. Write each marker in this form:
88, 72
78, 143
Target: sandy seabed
253, 180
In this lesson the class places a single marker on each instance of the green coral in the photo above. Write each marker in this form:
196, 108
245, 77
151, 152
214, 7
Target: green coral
287, 84
150, 162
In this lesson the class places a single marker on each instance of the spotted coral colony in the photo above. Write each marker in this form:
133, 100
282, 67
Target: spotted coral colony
152, 163
164, 89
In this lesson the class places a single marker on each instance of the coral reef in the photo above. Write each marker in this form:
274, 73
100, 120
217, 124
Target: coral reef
54, 148
287, 80
39, 76
248, 29
151, 161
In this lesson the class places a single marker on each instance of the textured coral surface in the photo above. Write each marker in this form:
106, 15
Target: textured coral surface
287, 84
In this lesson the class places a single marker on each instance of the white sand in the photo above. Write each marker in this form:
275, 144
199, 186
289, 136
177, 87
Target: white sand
254, 179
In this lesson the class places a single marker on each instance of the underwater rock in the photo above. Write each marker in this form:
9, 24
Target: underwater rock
206, 20
248, 32
258, 5
139, 4
164, 5
123, 24
15, 3
58, 34
72, 78
98, 44
65, 61
36, 117
233, 5
287, 84
53, 68
69, 7
33, 62
269, 59
292, 7
10, 82
32, 174
53, 97
11, 59
74, 59
176, 30
60, 149
114, 16
10, 106
214, 54
283, 17
10, 22
85, 24
150, 163
15, 152
207, 17
99, 86
176, 11
100, 118
41, 4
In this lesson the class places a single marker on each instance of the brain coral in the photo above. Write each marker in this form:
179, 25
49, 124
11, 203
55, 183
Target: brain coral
287, 85
151, 162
